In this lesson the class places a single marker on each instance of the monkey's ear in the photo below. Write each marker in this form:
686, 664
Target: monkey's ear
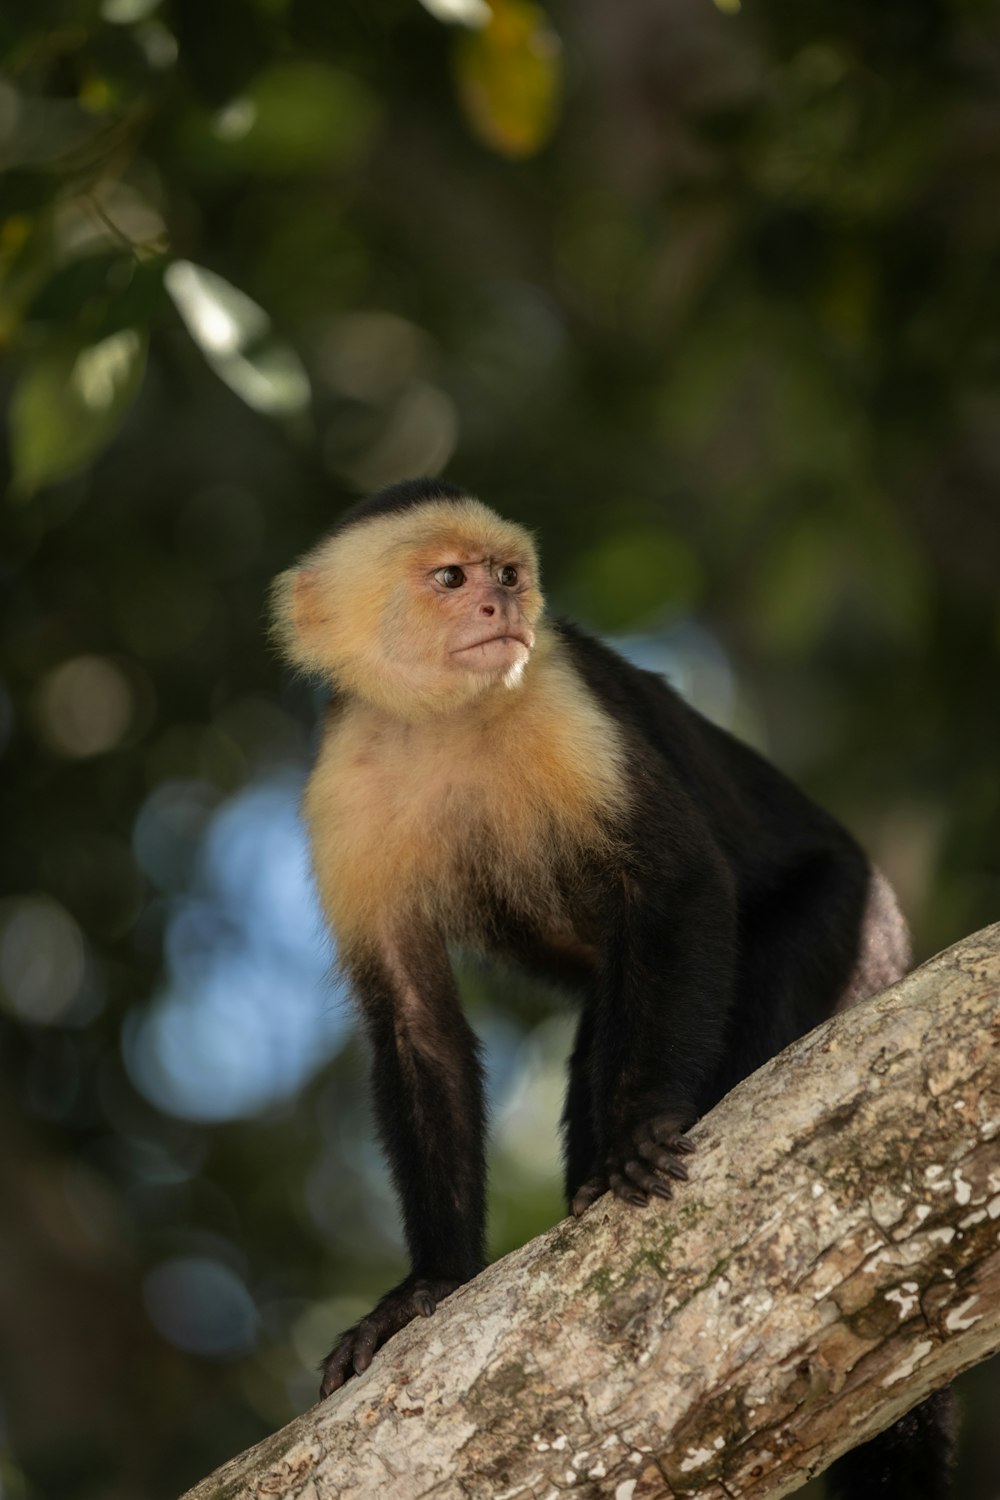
307, 614
298, 615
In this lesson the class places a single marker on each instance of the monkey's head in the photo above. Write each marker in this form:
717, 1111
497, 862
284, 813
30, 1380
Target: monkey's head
420, 601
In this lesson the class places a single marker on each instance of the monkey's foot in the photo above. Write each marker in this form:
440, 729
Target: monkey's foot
353, 1351
643, 1163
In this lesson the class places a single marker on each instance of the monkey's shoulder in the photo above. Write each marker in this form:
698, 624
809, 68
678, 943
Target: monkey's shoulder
690, 766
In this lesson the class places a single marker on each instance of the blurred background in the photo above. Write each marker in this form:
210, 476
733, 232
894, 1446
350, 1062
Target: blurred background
708, 296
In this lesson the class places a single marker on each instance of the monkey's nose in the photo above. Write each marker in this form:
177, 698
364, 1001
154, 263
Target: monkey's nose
487, 609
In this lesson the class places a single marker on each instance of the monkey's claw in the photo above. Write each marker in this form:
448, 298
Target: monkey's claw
643, 1164
417, 1296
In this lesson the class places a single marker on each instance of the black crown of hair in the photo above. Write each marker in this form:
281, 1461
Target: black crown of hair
405, 495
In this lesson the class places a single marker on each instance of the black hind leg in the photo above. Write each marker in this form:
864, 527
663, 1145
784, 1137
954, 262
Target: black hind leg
912, 1460
823, 936
802, 942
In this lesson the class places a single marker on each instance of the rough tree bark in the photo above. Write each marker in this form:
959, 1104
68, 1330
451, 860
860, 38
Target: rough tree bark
835, 1257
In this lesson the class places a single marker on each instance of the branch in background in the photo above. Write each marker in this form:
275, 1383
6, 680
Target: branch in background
834, 1259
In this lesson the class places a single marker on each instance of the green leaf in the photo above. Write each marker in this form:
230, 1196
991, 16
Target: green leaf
799, 583
67, 405
634, 577
299, 117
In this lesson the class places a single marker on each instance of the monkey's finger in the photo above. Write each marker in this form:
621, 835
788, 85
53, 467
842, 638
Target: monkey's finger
660, 1158
623, 1188
332, 1381
667, 1132
648, 1181
365, 1343
587, 1194
337, 1365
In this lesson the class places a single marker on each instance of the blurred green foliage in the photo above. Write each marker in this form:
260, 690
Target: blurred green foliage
707, 295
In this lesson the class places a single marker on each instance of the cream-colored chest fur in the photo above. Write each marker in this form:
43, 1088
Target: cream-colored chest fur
417, 820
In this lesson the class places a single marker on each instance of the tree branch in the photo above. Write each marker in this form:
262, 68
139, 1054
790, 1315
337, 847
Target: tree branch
835, 1257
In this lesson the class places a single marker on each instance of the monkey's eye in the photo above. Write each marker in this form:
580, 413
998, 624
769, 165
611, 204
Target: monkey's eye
507, 575
450, 578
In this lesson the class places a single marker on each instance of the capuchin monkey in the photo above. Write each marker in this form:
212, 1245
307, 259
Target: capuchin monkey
498, 780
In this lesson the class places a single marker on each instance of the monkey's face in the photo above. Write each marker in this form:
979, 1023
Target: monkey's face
483, 607
419, 612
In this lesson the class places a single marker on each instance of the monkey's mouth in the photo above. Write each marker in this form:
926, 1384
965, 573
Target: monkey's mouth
507, 639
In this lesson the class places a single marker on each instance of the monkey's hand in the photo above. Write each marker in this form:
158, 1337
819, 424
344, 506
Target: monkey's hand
642, 1162
352, 1353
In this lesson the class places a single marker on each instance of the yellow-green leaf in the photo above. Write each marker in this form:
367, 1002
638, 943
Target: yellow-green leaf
509, 78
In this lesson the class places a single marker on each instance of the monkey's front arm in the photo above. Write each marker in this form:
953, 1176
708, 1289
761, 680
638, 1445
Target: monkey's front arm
654, 1029
427, 1086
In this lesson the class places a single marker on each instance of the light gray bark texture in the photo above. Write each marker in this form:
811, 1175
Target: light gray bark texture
834, 1258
